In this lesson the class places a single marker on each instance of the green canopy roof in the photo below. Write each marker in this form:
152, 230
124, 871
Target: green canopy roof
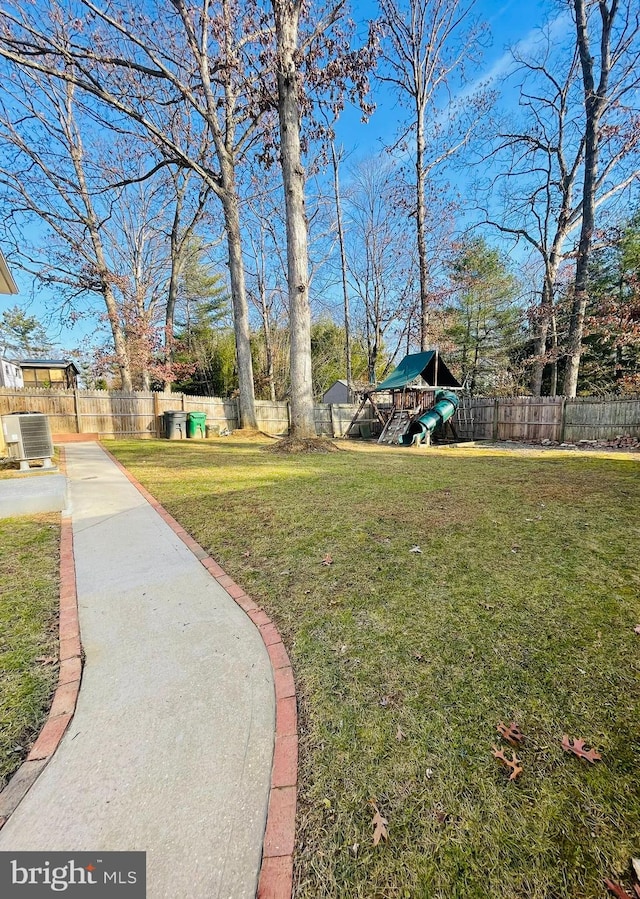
419, 370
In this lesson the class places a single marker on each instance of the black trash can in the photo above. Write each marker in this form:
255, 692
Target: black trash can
175, 425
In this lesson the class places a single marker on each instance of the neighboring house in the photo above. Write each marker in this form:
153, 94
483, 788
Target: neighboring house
339, 392
49, 373
10, 374
7, 284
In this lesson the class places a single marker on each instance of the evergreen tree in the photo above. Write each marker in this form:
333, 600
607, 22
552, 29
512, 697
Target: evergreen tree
484, 318
611, 358
22, 335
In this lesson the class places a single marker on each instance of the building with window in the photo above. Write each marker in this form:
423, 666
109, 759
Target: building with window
49, 373
10, 374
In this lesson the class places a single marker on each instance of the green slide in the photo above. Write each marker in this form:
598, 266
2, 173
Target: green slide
444, 407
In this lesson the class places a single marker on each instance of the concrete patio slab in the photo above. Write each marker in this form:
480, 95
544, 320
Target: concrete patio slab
32, 494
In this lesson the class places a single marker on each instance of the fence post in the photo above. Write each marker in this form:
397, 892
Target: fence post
563, 419
76, 410
156, 413
331, 421
182, 401
494, 424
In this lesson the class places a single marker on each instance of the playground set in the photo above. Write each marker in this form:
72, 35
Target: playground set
418, 400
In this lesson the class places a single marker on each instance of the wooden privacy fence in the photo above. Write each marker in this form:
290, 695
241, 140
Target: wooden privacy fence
531, 418
113, 413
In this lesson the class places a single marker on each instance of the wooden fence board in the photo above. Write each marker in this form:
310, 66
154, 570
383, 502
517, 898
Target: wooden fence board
120, 414
483, 411
587, 418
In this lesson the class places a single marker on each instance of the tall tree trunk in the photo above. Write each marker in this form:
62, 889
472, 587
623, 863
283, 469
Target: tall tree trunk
293, 176
421, 230
268, 339
554, 350
119, 340
343, 267
76, 152
594, 102
540, 342
239, 305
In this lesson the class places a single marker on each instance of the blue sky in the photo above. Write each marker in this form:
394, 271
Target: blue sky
512, 22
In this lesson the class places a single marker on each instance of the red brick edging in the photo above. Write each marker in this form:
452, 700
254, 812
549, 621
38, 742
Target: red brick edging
70, 674
276, 872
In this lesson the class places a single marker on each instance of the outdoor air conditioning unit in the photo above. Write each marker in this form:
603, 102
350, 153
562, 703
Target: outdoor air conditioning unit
28, 437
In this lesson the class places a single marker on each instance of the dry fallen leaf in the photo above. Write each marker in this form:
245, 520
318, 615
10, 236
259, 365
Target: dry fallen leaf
380, 831
327, 560
246, 554
616, 889
513, 764
512, 734
636, 629
399, 734
415, 549
577, 748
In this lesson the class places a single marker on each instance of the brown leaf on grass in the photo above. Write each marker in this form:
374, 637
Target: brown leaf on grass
636, 629
616, 889
246, 554
577, 748
511, 733
327, 560
513, 764
380, 831
399, 734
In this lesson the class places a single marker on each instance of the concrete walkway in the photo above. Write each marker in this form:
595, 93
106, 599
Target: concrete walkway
170, 748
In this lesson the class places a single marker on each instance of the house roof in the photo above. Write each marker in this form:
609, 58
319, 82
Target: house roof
419, 370
48, 363
7, 284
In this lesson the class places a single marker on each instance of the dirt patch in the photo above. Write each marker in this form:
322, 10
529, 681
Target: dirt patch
251, 434
303, 445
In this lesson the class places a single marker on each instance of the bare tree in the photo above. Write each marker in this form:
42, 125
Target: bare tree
536, 197
344, 273
615, 28
381, 263
533, 198
47, 177
266, 267
287, 21
324, 61
145, 64
427, 44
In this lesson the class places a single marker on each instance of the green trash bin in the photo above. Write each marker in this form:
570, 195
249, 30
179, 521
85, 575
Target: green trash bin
197, 424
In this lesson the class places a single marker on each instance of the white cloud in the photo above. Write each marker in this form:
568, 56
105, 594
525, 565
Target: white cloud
506, 64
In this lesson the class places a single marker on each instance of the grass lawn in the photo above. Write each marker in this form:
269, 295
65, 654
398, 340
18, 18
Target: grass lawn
29, 589
521, 606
